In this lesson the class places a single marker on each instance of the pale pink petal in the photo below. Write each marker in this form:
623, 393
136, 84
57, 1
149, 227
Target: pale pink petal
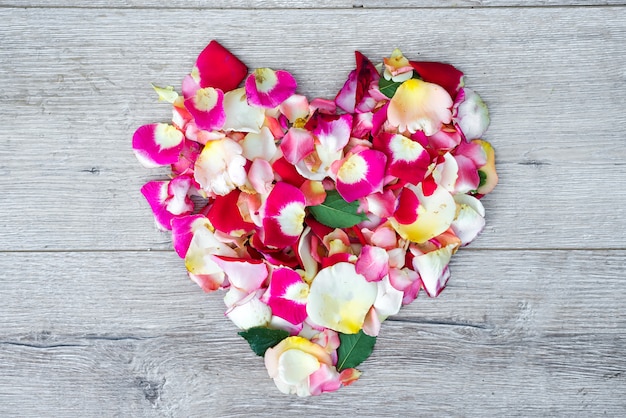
200, 262
384, 237
295, 107
445, 140
297, 144
283, 219
323, 106
361, 174
247, 275
418, 105
332, 131
381, 204
268, 88
468, 175
157, 144
371, 324
407, 281
287, 295
261, 176
373, 263
207, 108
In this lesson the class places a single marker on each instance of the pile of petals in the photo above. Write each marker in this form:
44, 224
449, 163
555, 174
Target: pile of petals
318, 218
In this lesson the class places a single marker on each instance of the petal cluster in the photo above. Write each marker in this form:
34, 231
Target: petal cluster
318, 218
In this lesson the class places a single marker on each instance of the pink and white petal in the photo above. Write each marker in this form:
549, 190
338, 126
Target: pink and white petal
261, 176
219, 68
244, 274
340, 298
354, 96
433, 268
470, 218
445, 140
469, 179
183, 229
283, 219
362, 125
323, 380
200, 262
373, 263
268, 88
323, 106
407, 158
240, 116
297, 144
419, 105
445, 75
397, 257
178, 201
472, 115
259, 145
279, 323
287, 295
332, 131
407, 281
432, 216
157, 193
446, 172
295, 107
384, 237
207, 108
346, 98
371, 324
157, 144
250, 312
381, 204
361, 174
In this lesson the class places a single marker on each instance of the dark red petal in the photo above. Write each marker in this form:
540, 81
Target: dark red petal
446, 75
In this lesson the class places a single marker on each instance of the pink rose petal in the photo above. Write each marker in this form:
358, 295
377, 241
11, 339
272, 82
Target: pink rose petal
268, 88
157, 144
287, 295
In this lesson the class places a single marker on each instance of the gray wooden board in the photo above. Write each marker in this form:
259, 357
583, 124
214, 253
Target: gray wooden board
93, 324
76, 84
126, 333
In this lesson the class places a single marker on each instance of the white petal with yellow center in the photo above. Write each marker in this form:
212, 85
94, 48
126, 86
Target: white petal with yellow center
353, 170
291, 219
265, 79
405, 149
205, 99
167, 136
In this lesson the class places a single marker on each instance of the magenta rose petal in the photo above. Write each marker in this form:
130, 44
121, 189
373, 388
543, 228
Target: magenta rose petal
268, 88
157, 144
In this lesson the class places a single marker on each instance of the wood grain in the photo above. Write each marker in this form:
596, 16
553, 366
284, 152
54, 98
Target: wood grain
134, 337
99, 318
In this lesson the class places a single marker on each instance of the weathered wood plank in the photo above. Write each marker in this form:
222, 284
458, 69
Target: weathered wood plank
303, 4
76, 85
121, 333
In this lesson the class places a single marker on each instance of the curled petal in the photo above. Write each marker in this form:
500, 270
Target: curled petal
470, 218
157, 144
261, 176
340, 298
246, 275
295, 107
418, 105
433, 268
183, 229
225, 216
373, 263
168, 200
268, 88
472, 115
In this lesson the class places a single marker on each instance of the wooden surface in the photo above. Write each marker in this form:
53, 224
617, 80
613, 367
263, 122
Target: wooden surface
98, 317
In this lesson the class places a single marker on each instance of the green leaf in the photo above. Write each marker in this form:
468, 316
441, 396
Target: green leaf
483, 178
336, 212
261, 338
354, 349
388, 87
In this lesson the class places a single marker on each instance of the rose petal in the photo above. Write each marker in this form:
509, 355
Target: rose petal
157, 144
219, 68
361, 174
283, 220
268, 88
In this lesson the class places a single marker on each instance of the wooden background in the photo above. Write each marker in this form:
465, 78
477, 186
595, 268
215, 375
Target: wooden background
97, 316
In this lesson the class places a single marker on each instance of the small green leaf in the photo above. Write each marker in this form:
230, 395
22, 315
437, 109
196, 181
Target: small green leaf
261, 338
354, 349
483, 178
336, 212
388, 87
